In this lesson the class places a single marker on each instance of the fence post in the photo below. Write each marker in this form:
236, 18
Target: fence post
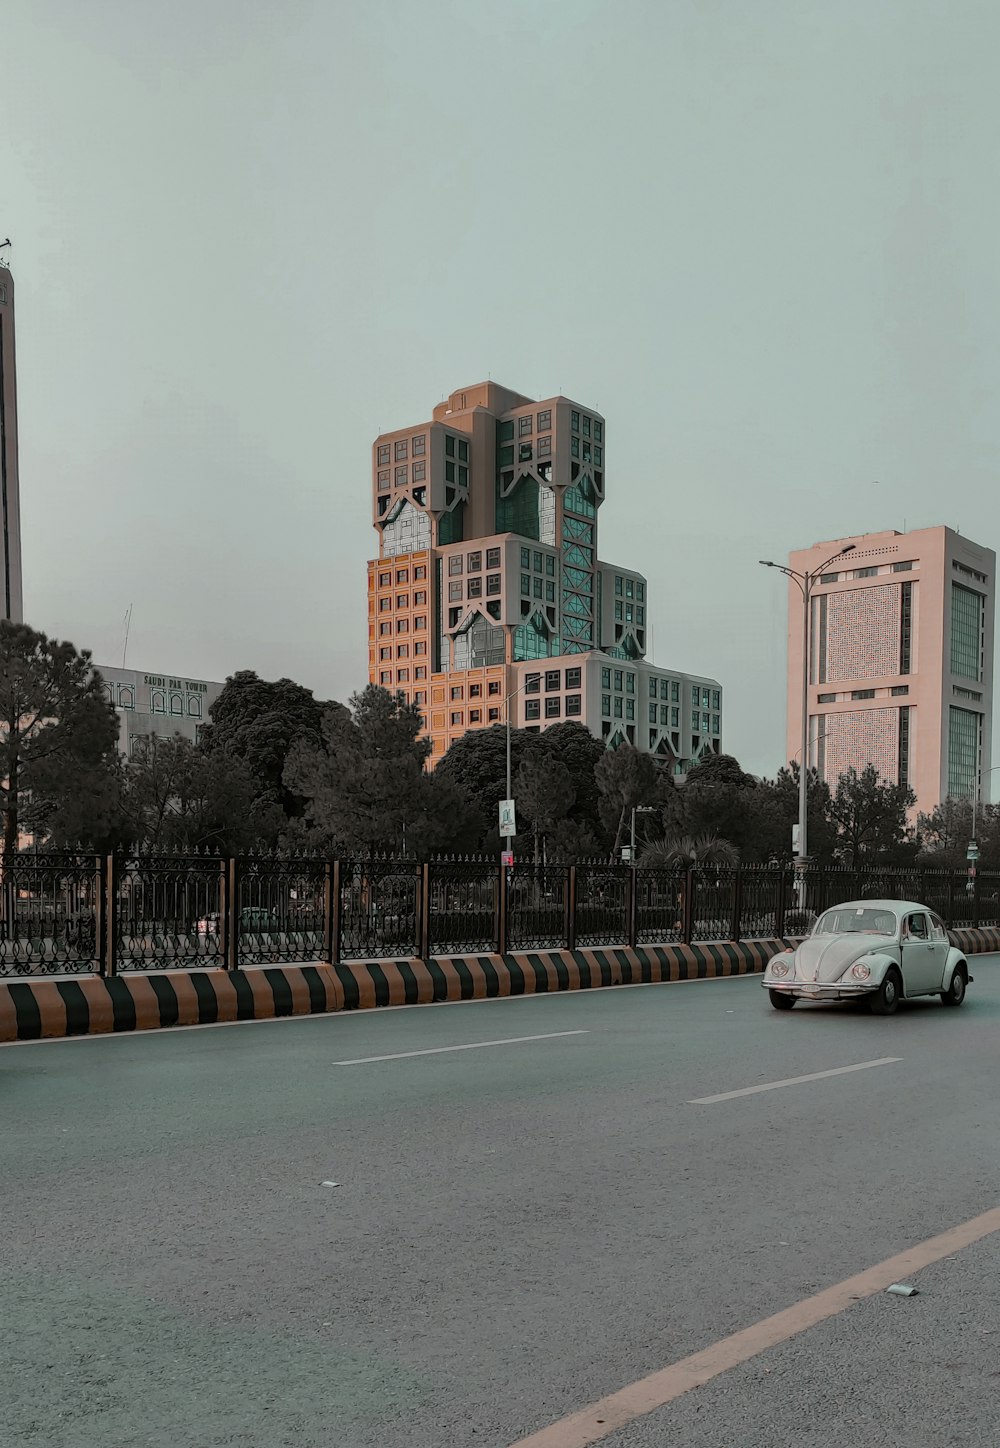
108, 934
502, 902
780, 905
424, 897
734, 921
633, 906
687, 907
232, 914
951, 900
571, 909
975, 900
331, 912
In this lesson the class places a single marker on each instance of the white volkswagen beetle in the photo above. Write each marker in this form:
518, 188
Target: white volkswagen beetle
884, 950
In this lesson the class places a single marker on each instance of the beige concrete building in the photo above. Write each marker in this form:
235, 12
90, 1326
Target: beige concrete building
901, 660
11, 605
156, 704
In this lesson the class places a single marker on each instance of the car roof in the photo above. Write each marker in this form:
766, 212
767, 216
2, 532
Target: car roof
898, 907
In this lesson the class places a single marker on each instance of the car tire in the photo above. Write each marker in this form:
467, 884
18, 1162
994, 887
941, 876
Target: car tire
885, 1000
780, 1000
955, 994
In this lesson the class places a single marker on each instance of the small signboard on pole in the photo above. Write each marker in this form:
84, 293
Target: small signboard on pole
507, 857
508, 821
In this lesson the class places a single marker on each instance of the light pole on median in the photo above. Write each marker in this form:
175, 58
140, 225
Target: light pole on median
506, 709
804, 583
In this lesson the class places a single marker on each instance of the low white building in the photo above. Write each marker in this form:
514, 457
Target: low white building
156, 704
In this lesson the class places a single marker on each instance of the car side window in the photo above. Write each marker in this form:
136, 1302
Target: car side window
916, 927
938, 932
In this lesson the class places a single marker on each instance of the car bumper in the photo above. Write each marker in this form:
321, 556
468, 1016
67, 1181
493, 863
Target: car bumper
809, 990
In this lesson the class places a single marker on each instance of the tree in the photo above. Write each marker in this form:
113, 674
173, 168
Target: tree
259, 722
176, 796
58, 733
545, 791
686, 851
946, 831
870, 815
575, 747
626, 779
719, 769
364, 784
821, 838
476, 765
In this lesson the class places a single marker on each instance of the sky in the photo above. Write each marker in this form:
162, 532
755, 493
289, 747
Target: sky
760, 238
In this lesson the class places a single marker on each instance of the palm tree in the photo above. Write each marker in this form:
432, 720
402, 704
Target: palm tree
685, 851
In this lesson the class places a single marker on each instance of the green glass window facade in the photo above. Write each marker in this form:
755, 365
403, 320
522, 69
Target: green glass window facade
963, 752
966, 632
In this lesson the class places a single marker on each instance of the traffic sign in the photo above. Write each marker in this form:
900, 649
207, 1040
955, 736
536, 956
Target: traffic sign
507, 857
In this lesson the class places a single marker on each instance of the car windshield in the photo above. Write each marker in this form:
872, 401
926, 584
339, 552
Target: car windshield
856, 921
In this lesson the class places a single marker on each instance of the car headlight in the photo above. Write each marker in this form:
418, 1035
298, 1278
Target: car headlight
860, 971
779, 968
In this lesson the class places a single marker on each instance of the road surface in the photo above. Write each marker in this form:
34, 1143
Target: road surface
516, 1230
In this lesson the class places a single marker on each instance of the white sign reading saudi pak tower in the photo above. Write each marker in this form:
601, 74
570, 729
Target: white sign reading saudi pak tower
508, 823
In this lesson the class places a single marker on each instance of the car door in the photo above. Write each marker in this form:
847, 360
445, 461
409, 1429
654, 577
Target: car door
923, 962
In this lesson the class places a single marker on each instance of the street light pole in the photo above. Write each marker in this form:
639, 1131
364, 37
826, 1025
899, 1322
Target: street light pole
804, 583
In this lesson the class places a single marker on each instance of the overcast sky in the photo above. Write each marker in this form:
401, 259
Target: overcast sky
760, 236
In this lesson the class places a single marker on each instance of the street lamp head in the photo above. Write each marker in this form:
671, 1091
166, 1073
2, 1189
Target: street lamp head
849, 549
766, 563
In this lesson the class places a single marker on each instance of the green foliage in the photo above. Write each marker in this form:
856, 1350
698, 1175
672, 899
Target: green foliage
57, 740
259, 722
685, 851
626, 779
945, 834
176, 796
871, 819
364, 785
544, 792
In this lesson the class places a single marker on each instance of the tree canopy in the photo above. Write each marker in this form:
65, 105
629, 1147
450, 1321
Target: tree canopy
58, 737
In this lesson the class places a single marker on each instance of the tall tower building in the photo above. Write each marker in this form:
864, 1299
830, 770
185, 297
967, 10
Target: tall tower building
10, 507
489, 593
901, 661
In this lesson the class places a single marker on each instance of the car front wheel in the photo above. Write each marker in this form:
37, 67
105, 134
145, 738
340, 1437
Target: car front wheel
955, 994
885, 1000
780, 1000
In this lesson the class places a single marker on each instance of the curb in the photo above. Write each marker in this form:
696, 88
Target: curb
38, 1008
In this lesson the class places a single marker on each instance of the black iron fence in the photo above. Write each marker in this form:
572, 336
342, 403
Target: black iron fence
69, 913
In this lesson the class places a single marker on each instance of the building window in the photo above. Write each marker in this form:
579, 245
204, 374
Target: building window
827, 699
574, 421
384, 605
493, 688
402, 625
903, 567
176, 704
966, 632
420, 647
402, 651
475, 587
420, 697
536, 587
419, 472
829, 577
574, 446
402, 676
605, 678
630, 683
532, 708
385, 678
401, 476
506, 431
652, 713
385, 653
525, 585
492, 583
463, 450
619, 610
384, 454
545, 420
694, 720
126, 698
553, 708
456, 691
494, 715
455, 564
606, 705
862, 693
385, 628
457, 717
715, 723
550, 565
449, 472
550, 591
420, 597
419, 444
552, 680
532, 683
524, 426
664, 709
474, 562
574, 706
865, 572
385, 580
664, 687
449, 445
598, 430
420, 571
899, 689
675, 691
402, 600
619, 586
963, 752
401, 450
618, 706
675, 717
573, 678
383, 481
716, 699
420, 672
493, 558
475, 716
525, 557
194, 706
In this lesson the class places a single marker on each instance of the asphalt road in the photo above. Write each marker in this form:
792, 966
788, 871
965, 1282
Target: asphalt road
515, 1231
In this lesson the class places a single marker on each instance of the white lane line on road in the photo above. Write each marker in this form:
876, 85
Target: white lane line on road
793, 1081
472, 1046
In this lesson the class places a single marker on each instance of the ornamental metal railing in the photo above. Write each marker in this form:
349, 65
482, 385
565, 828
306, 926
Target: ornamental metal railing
71, 913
